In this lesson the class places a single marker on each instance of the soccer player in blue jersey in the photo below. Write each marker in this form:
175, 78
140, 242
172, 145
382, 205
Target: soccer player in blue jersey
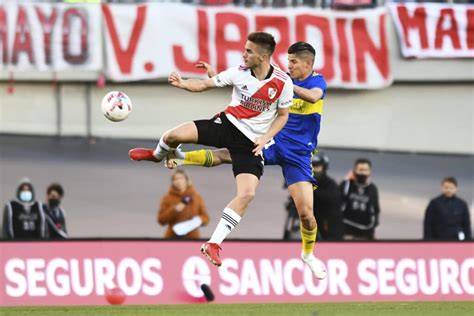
291, 148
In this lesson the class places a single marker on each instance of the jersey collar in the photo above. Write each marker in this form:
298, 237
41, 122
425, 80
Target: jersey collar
269, 74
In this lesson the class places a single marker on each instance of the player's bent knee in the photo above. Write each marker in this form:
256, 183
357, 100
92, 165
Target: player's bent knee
307, 217
166, 137
171, 137
305, 209
246, 196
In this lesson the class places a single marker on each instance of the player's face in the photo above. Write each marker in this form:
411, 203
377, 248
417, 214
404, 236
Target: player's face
362, 169
179, 182
53, 195
299, 68
448, 189
253, 55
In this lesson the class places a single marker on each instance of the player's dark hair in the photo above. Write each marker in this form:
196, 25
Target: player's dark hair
301, 47
450, 180
264, 40
55, 187
362, 161
303, 50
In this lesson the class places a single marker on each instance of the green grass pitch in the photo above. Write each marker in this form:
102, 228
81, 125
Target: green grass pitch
318, 309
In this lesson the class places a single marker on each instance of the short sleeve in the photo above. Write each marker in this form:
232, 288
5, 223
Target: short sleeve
318, 82
286, 97
225, 78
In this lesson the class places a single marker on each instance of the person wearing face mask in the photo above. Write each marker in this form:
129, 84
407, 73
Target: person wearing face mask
182, 209
55, 215
327, 200
23, 217
360, 202
447, 216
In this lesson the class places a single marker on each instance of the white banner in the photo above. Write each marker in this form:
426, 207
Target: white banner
147, 41
434, 30
50, 37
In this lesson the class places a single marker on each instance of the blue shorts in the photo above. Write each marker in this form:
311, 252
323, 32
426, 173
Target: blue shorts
296, 166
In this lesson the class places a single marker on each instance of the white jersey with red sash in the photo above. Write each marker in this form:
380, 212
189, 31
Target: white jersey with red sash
255, 102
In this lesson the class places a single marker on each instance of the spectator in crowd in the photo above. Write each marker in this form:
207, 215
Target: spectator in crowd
23, 217
55, 215
447, 216
327, 201
360, 202
182, 208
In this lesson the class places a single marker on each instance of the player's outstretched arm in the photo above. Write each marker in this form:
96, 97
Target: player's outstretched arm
277, 125
192, 85
310, 95
208, 68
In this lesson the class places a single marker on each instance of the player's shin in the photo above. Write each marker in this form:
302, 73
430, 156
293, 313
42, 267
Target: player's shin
201, 157
229, 220
308, 239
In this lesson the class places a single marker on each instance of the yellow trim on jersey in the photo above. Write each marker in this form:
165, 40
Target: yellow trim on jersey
304, 107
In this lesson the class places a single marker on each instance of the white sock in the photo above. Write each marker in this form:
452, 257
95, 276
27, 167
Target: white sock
161, 150
228, 221
179, 153
306, 256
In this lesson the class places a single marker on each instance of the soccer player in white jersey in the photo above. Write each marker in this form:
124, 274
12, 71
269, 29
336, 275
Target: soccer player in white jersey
291, 148
261, 98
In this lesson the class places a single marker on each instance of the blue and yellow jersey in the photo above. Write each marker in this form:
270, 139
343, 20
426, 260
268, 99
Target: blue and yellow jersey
301, 131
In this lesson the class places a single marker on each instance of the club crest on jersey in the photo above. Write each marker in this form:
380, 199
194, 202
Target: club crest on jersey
272, 92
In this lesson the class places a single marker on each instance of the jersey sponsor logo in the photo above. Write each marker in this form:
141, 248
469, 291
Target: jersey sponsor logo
259, 102
286, 103
241, 112
300, 106
255, 104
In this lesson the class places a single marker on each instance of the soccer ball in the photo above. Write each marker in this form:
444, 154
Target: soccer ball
116, 106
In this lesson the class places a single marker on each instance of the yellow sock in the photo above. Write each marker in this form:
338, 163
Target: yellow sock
308, 239
198, 158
